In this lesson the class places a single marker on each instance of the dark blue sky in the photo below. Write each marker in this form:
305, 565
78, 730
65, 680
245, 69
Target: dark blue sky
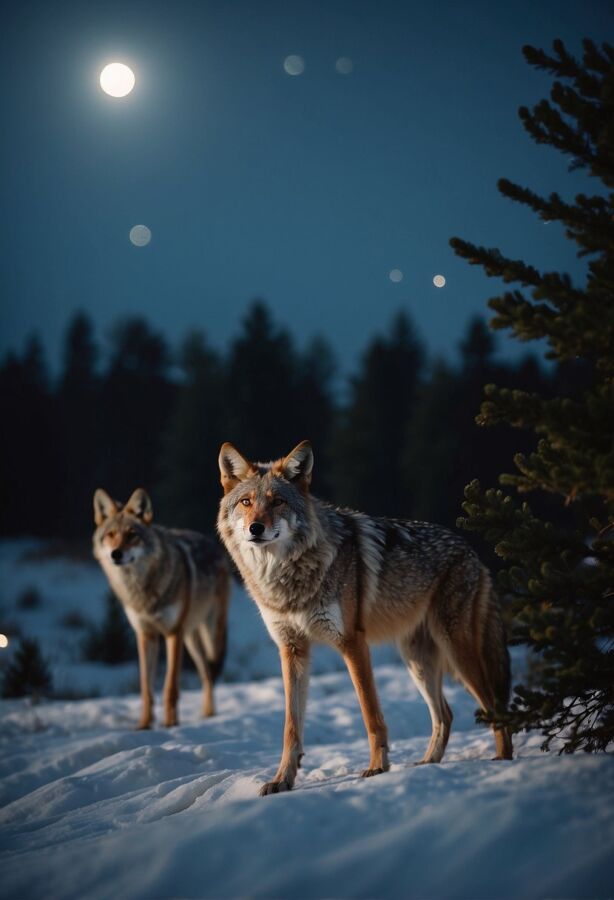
304, 190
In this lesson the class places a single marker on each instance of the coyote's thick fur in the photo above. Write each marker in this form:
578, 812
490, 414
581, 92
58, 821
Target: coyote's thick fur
171, 583
318, 573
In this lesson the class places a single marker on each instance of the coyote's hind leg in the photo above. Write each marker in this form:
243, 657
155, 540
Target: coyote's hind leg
426, 667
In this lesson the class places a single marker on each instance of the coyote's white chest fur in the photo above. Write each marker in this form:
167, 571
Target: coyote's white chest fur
278, 581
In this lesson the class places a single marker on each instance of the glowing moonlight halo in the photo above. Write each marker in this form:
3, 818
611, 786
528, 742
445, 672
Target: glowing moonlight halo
117, 80
140, 235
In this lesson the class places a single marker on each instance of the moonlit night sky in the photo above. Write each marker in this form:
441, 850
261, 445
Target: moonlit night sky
306, 187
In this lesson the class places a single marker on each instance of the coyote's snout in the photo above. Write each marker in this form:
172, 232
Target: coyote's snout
318, 573
173, 584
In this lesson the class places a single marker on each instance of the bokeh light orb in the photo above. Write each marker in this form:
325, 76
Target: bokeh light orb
4, 641
395, 275
117, 79
439, 281
344, 65
294, 65
140, 235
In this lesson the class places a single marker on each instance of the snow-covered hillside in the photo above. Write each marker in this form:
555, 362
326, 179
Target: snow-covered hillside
92, 808
95, 809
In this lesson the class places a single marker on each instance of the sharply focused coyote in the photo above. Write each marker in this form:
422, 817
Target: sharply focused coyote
318, 573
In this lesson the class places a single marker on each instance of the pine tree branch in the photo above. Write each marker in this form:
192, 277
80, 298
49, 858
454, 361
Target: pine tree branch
551, 286
590, 223
566, 66
576, 454
586, 133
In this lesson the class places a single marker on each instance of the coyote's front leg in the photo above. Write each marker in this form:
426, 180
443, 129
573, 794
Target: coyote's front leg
148, 645
174, 645
295, 671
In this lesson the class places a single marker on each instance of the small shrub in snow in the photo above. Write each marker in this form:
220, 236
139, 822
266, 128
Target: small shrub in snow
28, 673
73, 620
30, 598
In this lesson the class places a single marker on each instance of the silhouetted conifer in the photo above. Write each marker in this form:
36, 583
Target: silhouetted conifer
80, 425
28, 449
136, 400
261, 388
369, 444
189, 488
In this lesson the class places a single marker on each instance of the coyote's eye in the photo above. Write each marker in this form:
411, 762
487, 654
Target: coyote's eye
278, 501
246, 501
111, 533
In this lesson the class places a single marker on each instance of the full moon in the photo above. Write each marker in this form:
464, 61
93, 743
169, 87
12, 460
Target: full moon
140, 235
439, 281
117, 80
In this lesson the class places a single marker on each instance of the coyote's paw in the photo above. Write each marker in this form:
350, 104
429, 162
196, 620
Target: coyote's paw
275, 787
144, 725
426, 762
368, 773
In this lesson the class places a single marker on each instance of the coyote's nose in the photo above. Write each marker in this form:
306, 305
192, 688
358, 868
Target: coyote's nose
256, 528
116, 556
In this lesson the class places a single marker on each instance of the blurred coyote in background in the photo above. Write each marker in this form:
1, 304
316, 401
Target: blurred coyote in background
344, 578
170, 582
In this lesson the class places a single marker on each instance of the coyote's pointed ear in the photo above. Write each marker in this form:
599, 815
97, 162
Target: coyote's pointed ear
104, 507
297, 466
139, 505
233, 467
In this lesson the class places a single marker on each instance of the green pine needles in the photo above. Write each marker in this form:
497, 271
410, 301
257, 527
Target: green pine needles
558, 557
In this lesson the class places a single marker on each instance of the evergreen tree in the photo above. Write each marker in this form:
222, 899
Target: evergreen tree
560, 574
264, 419
136, 400
189, 489
432, 450
316, 403
28, 673
79, 421
369, 444
80, 356
444, 448
28, 450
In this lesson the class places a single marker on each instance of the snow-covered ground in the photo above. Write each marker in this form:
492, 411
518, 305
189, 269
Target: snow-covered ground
92, 808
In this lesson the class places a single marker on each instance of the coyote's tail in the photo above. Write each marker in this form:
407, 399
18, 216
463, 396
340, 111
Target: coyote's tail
477, 645
217, 663
495, 653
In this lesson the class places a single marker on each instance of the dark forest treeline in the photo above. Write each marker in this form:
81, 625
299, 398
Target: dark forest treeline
403, 442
